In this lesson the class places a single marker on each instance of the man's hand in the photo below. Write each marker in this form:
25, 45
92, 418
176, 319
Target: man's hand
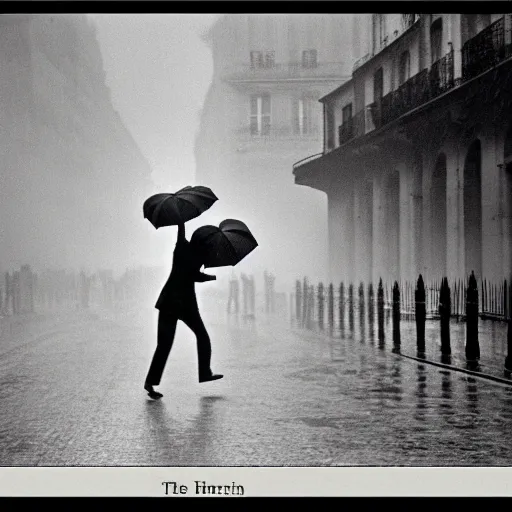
201, 277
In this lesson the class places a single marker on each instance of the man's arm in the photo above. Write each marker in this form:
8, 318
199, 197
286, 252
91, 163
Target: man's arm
181, 233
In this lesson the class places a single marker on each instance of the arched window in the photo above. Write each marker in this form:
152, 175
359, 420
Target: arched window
404, 68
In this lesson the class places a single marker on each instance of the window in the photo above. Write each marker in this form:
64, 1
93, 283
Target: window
270, 59
346, 113
404, 68
303, 119
436, 39
378, 85
260, 114
309, 59
257, 60
261, 59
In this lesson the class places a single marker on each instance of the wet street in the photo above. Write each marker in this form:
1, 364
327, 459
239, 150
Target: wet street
71, 395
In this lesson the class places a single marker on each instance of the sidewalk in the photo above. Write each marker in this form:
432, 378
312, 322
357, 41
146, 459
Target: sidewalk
492, 339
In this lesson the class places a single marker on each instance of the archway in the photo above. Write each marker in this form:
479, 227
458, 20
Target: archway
473, 209
438, 209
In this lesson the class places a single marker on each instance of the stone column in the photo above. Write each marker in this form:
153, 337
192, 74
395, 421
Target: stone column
416, 221
492, 242
347, 230
335, 233
363, 219
379, 235
392, 225
454, 217
406, 235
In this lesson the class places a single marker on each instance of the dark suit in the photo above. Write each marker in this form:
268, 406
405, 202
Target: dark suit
177, 301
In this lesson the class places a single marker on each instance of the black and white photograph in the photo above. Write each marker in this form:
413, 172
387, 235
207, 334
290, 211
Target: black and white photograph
255, 240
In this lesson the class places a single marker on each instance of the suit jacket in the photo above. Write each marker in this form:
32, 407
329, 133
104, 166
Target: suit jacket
179, 290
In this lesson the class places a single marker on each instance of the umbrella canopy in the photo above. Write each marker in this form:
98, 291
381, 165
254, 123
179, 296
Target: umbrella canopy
225, 245
179, 207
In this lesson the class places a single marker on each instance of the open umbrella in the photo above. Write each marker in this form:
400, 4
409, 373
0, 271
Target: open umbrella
179, 207
225, 245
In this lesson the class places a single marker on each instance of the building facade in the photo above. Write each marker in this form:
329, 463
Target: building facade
260, 113
416, 158
72, 178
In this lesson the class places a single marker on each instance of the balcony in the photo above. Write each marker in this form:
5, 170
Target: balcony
286, 71
346, 131
276, 133
352, 128
487, 49
418, 90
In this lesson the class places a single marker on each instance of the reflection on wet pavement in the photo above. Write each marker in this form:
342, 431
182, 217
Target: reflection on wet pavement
288, 398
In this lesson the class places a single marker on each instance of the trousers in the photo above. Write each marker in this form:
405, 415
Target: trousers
167, 323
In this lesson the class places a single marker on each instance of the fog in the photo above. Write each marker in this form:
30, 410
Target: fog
101, 111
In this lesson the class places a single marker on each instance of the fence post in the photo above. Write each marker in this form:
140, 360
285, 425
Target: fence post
361, 310
396, 318
371, 310
472, 345
311, 309
444, 313
351, 308
421, 315
341, 307
380, 311
321, 306
331, 309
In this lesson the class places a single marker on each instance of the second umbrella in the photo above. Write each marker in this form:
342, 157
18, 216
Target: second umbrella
225, 245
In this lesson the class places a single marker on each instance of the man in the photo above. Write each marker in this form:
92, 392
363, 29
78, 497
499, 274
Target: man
177, 301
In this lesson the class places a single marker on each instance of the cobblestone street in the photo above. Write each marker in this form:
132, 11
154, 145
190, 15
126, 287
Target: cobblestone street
71, 395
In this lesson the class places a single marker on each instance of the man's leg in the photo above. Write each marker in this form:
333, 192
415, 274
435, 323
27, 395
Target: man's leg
166, 330
193, 320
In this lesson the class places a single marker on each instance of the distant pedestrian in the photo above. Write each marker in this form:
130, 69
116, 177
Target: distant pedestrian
234, 292
246, 293
252, 296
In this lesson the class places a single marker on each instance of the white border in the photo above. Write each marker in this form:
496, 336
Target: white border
283, 482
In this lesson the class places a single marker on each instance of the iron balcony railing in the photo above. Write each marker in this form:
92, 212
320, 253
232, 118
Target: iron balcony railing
421, 88
346, 131
487, 49
353, 127
442, 75
283, 71
306, 160
481, 53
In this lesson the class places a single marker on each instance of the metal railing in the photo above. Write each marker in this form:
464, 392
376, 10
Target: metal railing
484, 51
346, 131
441, 75
307, 160
283, 71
